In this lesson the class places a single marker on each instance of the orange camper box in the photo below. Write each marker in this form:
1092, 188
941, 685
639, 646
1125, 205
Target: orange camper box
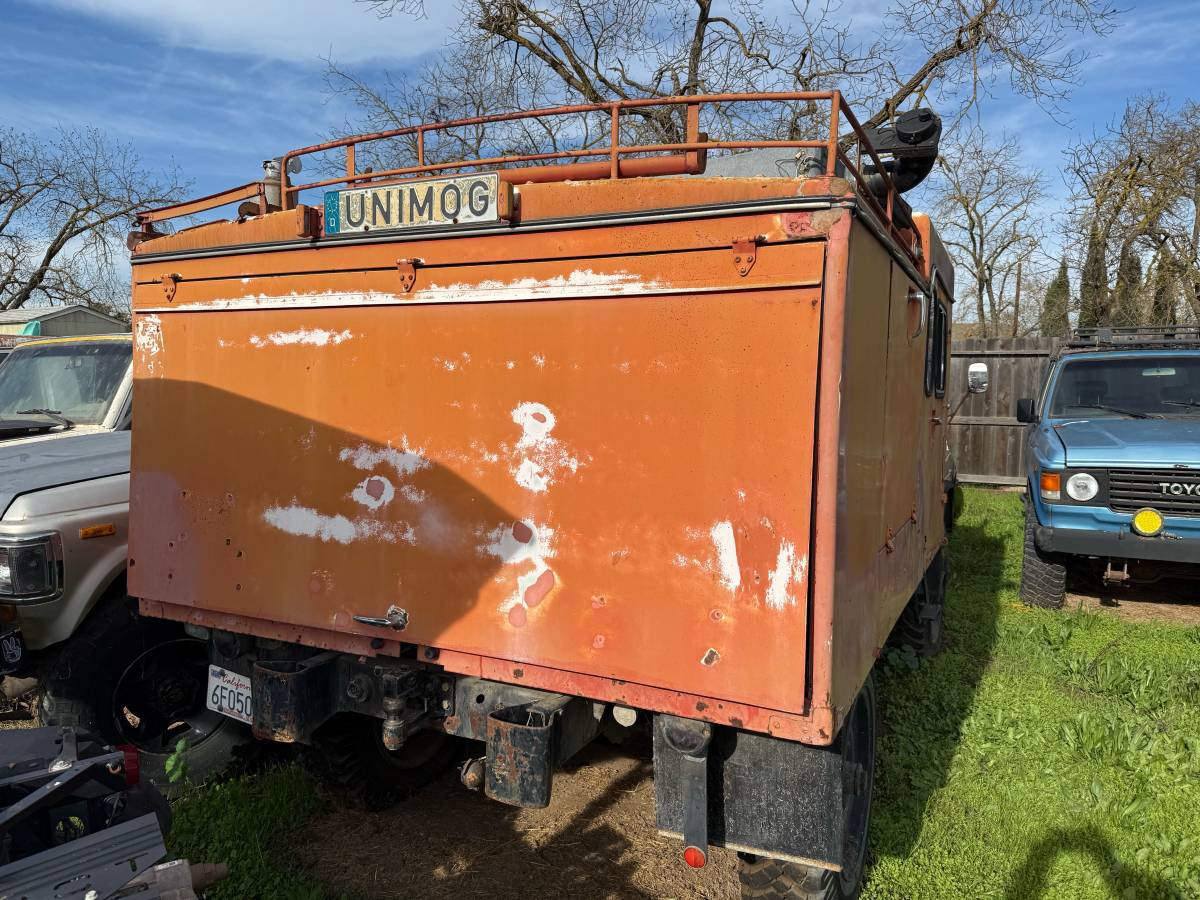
525, 449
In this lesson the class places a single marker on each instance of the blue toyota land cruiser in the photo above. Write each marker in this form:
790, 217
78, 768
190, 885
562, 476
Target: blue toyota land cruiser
1112, 458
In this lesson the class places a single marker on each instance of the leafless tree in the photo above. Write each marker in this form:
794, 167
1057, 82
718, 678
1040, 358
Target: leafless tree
521, 54
1136, 195
65, 203
988, 209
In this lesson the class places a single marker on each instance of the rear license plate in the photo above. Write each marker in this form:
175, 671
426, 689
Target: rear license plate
229, 694
426, 203
12, 650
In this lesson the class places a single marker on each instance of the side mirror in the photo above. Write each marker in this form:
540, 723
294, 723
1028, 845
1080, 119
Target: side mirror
977, 378
1025, 411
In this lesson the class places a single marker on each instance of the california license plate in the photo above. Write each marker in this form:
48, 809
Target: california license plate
461, 200
229, 693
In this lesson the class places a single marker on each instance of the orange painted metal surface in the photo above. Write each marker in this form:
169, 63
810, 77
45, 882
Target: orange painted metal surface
583, 455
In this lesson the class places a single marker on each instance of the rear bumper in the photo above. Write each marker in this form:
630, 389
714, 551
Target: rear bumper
1121, 544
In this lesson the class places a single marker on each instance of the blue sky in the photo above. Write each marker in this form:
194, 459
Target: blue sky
214, 87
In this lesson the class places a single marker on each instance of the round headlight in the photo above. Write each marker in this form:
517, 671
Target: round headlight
1082, 486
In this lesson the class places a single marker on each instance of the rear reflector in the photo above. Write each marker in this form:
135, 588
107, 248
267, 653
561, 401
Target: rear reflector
695, 857
133, 766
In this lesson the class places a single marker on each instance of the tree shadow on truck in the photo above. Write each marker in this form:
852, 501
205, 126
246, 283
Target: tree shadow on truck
277, 521
923, 709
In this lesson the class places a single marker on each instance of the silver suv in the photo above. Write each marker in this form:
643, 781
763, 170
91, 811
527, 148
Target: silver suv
66, 622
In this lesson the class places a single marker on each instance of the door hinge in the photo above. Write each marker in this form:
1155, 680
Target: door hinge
407, 268
745, 250
169, 281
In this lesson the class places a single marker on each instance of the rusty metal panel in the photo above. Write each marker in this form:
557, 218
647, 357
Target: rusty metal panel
890, 451
606, 482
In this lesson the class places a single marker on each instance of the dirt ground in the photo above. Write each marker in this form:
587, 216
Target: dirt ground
596, 840
1175, 602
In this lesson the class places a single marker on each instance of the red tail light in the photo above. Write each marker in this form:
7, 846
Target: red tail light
133, 766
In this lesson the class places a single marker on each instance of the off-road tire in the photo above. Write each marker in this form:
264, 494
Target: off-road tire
79, 683
922, 623
348, 758
1043, 575
774, 879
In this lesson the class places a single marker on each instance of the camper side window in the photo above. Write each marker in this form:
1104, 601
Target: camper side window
941, 337
935, 350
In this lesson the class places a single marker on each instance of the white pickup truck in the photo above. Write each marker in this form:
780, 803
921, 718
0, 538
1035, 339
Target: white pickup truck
65, 618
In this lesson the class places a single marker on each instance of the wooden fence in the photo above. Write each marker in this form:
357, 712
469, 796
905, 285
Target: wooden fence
987, 439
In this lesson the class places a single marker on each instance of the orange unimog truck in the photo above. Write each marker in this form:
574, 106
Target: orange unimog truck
478, 460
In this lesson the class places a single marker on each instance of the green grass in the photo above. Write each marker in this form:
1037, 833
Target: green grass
1043, 754
251, 823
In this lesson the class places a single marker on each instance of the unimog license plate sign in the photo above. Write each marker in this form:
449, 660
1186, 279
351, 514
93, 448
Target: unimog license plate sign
461, 200
229, 693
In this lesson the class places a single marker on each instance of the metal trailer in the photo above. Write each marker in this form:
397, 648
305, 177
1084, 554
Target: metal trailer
558, 445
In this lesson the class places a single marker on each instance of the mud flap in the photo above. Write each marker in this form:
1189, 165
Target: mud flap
527, 741
765, 796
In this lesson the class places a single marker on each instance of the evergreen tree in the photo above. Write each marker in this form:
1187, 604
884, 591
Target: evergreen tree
1053, 320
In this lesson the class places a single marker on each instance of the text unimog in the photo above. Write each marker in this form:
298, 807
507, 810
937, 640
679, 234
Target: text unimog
594, 447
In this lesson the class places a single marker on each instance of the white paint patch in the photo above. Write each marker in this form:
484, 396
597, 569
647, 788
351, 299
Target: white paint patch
536, 423
580, 283
530, 477
386, 492
727, 561
539, 360
412, 494
788, 570
405, 460
303, 521
316, 337
503, 545
544, 458
149, 341
510, 364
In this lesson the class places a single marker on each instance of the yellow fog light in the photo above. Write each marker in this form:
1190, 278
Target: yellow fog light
1147, 522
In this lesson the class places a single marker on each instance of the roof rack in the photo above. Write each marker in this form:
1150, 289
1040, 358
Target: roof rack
852, 152
1135, 336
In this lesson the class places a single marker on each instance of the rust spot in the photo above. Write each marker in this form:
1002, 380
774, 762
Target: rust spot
375, 488
598, 601
710, 658
518, 673
517, 616
735, 721
451, 723
716, 615
538, 417
598, 641
701, 706
824, 220
536, 592
522, 532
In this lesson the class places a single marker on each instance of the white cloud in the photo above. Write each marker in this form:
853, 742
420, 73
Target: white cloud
287, 30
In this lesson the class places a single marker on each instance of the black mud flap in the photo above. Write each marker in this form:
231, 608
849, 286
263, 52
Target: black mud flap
526, 742
293, 698
765, 795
